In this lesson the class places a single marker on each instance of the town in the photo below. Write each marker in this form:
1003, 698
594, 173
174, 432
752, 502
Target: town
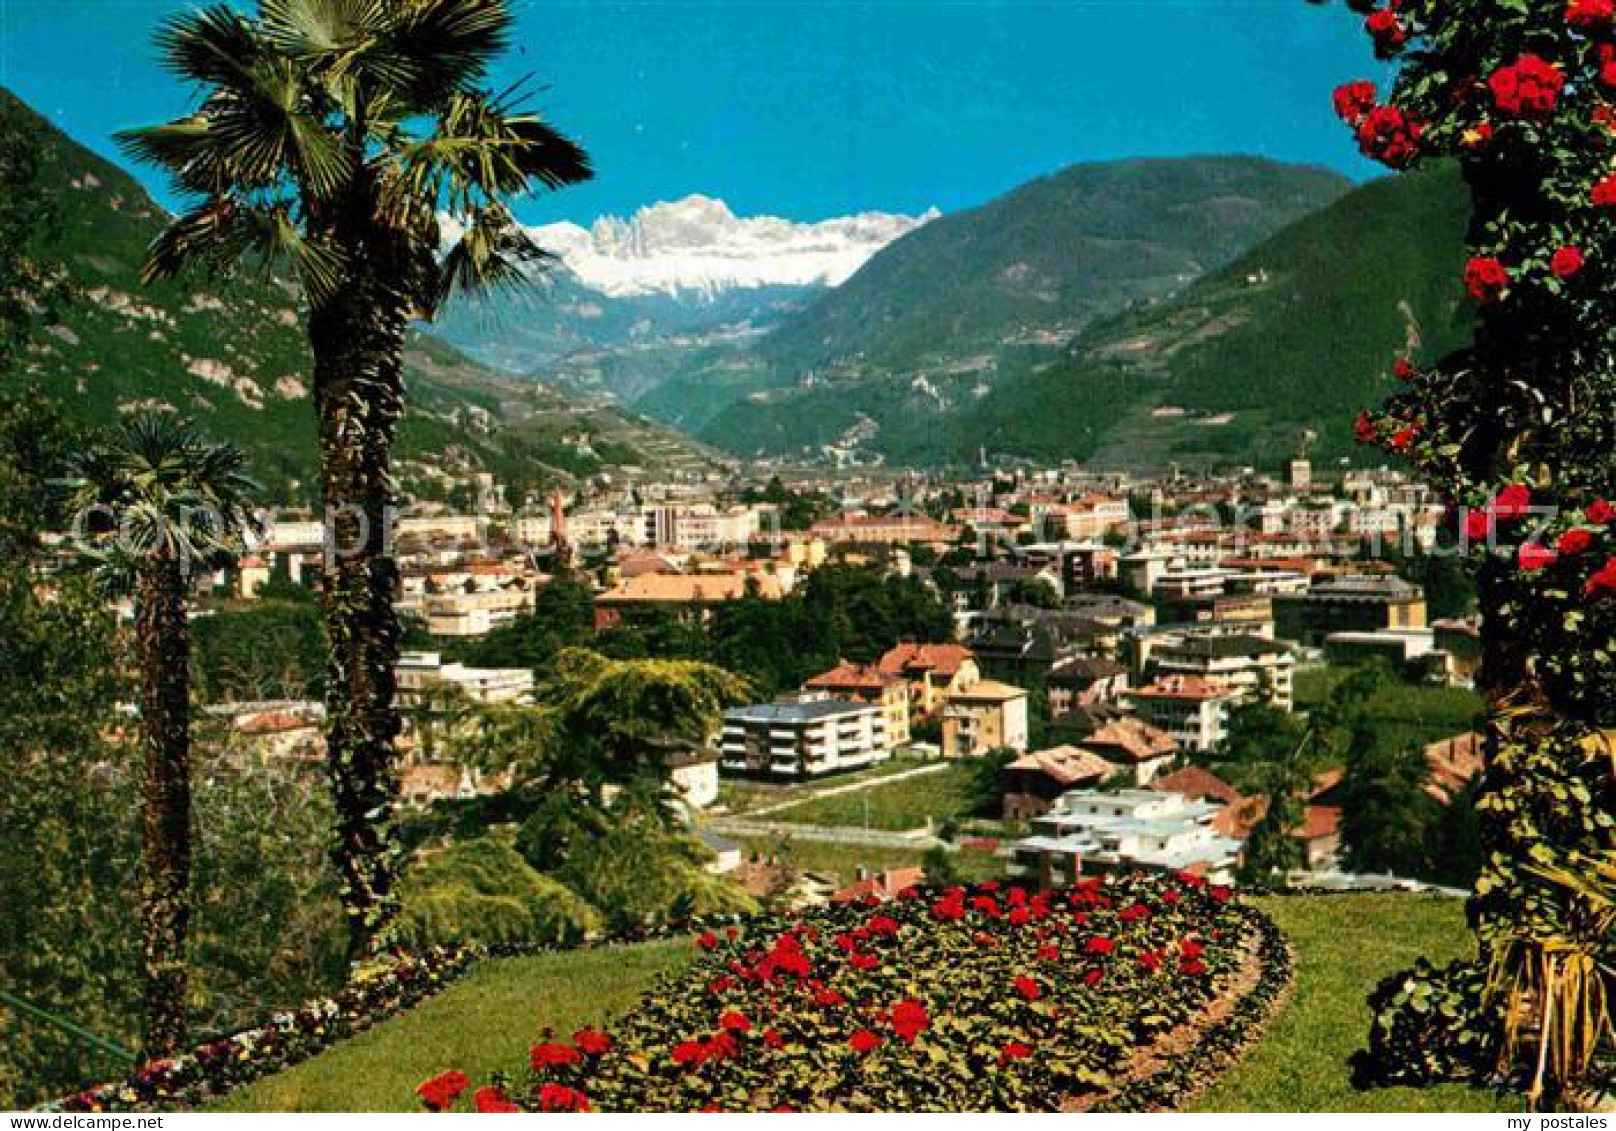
1090, 676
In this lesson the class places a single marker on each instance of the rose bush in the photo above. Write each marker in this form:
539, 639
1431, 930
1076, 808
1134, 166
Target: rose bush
961, 999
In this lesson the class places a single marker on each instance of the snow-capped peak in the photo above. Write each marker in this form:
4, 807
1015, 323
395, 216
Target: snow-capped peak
697, 245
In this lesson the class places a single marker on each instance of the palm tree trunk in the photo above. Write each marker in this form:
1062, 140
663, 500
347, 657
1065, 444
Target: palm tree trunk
357, 338
163, 644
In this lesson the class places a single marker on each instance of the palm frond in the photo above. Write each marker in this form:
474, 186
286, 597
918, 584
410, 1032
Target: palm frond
212, 45
493, 253
224, 231
481, 149
434, 47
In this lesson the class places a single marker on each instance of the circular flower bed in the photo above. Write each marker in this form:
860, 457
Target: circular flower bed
965, 999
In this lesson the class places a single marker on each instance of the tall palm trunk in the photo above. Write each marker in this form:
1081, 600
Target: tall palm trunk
163, 648
357, 339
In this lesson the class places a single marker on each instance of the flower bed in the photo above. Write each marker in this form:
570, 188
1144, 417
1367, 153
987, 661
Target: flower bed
376, 992
985, 998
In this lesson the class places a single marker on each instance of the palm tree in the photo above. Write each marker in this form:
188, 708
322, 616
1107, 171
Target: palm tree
344, 140
156, 502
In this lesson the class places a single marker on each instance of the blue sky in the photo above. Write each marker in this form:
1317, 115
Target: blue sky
810, 110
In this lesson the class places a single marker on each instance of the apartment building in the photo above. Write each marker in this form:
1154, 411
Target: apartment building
804, 737
1193, 711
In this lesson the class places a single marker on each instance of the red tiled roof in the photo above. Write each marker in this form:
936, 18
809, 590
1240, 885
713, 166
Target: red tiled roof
1197, 784
885, 885
944, 659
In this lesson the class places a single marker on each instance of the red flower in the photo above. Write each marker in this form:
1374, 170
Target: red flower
1607, 64
1389, 136
1568, 261
1150, 960
1049, 952
1014, 1050
827, 998
734, 1021
440, 1092
883, 925
1604, 194
686, 1053
553, 1054
864, 1042
1388, 32
1363, 429
1133, 912
1478, 525
909, 1019
1405, 370
1590, 15
1099, 944
1574, 542
1094, 977
592, 1041
949, 908
1603, 581
1218, 893
490, 1100
1189, 948
1027, 988
1354, 100
1193, 967
1486, 278
1530, 86
559, 1097
772, 1038
1600, 513
706, 940
1513, 501
1403, 439
863, 961
1477, 136
1534, 556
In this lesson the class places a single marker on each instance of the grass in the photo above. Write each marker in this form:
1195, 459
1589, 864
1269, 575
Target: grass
742, 795
1346, 944
483, 1025
1404, 713
896, 807
844, 860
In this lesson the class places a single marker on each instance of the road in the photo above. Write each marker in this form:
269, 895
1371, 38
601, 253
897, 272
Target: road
748, 826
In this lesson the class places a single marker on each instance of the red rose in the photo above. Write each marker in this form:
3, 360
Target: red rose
1530, 86
1604, 194
864, 1042
1513, 501
1574, 542
909, 1019
1486, 278
1590, 15
1014, 1050
1603, 581
1478, 525
1567, 262
734, 1021
559, 1097
592, 1041
1600, 513
440, 1092
1388, 32
1404, 370
490, 1100
1354, 100
1389, 136
553, 1054
1027, 988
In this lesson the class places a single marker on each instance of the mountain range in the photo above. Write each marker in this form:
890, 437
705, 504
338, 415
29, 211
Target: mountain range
230, 353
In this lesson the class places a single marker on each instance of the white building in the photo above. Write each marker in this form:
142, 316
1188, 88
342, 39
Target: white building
1090, 831
417, 671
804, 737
1193, 711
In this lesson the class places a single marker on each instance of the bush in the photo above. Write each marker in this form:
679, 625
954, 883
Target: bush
483, 891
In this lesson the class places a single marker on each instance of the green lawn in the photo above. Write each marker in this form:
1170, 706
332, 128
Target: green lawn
844, 860
742, 795
1345, 944
482, 1025
1404, 713
898, 806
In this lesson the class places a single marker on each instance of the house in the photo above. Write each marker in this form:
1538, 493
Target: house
287, 732
1034, 782
1349, 604
422, 784
1264, 670
1198, 784
727, 855
417, 672
986, 716
1192, 710
884, 530
1455, 763
1132, 746
688, 594
1319, 832
1082, 682
933, 672
473, 612
803, 737
1091, 832
777, 882
693, 773
867, 683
